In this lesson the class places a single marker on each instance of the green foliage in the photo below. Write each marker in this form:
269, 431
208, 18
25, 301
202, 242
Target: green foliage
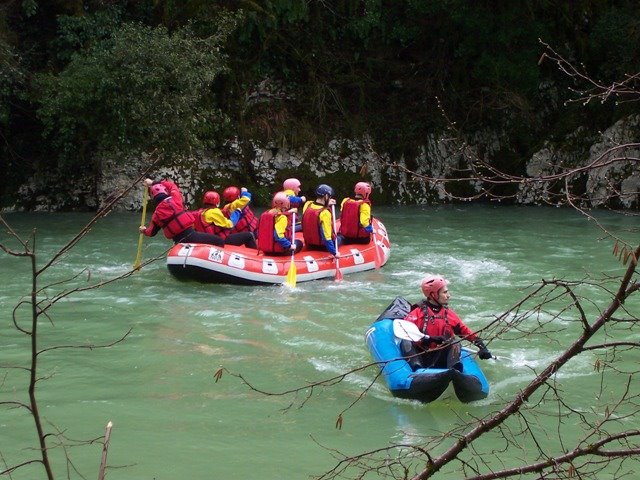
78, 33
141, 89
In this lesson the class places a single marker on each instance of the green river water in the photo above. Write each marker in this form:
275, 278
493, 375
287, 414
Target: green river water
171, 420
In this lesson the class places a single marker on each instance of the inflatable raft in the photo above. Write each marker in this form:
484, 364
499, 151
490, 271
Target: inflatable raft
424, 384
245, 266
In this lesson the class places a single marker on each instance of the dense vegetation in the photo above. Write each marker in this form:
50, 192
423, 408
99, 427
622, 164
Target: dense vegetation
82, 80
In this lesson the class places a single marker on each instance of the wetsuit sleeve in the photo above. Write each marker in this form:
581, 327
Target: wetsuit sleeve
214, 216
279, 230
174, 193
152, 230
294, 200
365, 217
460, 328
238, 203
326, 230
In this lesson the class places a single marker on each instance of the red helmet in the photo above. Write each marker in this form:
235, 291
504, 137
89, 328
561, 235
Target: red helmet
432, 284
230, 194
281, 200
211, 198
157, 188
362, 188
292, 184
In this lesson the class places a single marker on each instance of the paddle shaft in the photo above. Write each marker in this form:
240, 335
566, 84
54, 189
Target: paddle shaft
145, 198
335, 231
292, 273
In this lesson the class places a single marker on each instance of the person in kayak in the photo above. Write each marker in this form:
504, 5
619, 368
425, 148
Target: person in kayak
441, 325
170, 216
355, 216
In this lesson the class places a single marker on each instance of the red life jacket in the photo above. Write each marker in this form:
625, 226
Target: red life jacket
266, 240
350, 219
311, 226
248, 221
172, 220
202, 226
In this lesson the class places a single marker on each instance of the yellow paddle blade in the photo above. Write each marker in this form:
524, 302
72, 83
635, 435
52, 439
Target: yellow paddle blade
291, 274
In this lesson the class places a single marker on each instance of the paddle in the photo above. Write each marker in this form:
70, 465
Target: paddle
378, 260
291, 274
145, 197
406, 330
338, 272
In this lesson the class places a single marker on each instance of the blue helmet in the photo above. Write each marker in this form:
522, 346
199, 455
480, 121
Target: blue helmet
323, 190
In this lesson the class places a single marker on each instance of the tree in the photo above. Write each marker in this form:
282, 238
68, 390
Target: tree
27, 316
140, 88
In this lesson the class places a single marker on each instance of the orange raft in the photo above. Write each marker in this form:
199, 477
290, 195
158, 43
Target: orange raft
245, 266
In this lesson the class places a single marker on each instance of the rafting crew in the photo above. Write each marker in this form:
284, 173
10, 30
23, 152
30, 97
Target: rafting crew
239, 199
434, 318
355, 216
318, 222
211, 219
275, 231
170, 216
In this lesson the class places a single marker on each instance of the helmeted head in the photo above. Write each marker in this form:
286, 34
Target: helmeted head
211, 198
157, 189
281, 201
363, 189
324, 189
231, 193
292, 184
431, 285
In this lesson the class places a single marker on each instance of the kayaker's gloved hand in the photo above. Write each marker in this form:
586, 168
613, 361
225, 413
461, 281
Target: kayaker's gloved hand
435, 339
483, 351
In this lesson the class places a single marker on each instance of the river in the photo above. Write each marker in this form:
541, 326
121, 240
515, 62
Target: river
172, 420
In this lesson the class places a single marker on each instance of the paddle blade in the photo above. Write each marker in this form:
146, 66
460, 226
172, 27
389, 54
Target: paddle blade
292, 274
406, 330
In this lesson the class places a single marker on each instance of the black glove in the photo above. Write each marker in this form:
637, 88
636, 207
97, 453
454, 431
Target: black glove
435, 339
483, 351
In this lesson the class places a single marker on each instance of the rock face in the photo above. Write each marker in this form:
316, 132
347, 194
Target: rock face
612, 180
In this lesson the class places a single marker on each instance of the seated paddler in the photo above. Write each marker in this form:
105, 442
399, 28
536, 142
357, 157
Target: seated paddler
442, 328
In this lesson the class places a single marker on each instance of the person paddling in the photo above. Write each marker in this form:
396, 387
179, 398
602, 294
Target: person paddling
434, 318
355, 216
211, 219
317, 221
275, 230
170, 216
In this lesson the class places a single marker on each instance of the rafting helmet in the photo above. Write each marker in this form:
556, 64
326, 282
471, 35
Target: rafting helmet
292, 184
323, 190
281, 200
156, 189
431, 285
362, 188
211, 198
231, 193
